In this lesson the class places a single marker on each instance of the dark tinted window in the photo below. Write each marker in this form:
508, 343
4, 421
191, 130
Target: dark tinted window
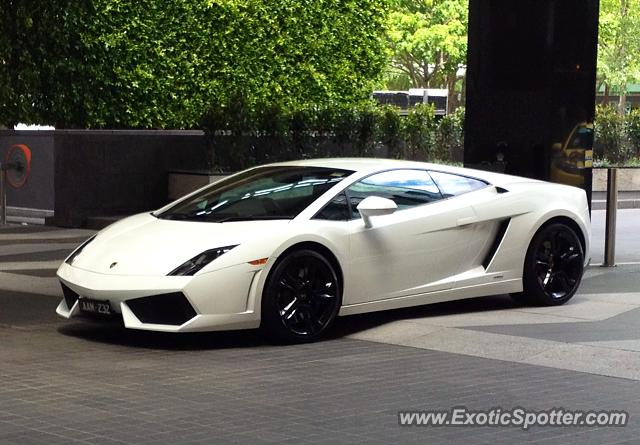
453, 185
582, 138
273, 192
336, 210
407, 188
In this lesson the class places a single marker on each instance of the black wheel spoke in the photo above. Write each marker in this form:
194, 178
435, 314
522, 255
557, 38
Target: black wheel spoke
292, 281
286, 283
324, 296
541, 263
308, 320
289, 311
563, 281
556, 243
312, 273
548, 280
575, 257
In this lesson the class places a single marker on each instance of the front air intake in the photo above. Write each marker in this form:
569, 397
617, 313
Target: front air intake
172, 309
70, 297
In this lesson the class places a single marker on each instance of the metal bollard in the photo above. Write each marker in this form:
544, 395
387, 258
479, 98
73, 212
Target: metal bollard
3, 195
612, 209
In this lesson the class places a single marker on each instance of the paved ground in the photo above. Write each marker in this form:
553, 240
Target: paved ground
70, 382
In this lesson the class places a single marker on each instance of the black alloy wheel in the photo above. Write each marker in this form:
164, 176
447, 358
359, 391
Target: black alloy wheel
554, 266
301, 297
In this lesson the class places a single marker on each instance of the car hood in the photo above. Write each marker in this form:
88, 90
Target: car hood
146, 245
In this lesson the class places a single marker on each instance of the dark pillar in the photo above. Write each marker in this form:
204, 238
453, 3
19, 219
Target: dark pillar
531, 88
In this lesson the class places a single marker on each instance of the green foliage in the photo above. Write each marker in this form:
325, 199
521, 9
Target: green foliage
39, 64
428, 41
279, 134
633, 131
619, 44
150, 63
449, 139
419, 129
611, 141
391, 131
368, 129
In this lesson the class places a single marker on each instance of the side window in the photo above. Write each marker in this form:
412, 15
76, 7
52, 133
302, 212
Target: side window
453, 185
407, 188
336, 210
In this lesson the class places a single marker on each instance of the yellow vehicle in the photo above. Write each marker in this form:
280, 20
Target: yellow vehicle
570, 158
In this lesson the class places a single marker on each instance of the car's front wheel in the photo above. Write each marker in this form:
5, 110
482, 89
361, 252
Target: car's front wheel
301, 297
553, 266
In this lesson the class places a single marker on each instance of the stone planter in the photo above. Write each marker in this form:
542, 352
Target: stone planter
628, 188
182, 182
628, 180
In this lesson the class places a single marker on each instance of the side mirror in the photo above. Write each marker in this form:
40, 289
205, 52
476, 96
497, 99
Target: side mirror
557, 146
375, 206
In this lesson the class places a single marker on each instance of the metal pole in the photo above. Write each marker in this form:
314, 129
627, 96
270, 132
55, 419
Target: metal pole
612, 209
3, 196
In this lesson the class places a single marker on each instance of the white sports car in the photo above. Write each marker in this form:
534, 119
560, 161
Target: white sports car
290, 246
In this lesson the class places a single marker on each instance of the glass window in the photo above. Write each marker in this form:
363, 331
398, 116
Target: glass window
454, 185
336, 210
273, 192
582, 138
407, 188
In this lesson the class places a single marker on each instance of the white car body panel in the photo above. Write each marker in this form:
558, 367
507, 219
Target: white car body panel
425, 254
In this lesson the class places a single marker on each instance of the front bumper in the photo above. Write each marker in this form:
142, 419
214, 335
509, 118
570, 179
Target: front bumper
220, 300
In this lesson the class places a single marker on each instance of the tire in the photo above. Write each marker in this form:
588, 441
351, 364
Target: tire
553, 266
301, 298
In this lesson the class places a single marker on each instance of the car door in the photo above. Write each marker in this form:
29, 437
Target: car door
484, 227
415, 250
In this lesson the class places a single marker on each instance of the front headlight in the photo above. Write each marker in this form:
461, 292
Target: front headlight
198, 262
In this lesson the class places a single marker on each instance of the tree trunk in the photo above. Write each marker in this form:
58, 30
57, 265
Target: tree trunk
452, 102
463, 91
622, 101
605, 98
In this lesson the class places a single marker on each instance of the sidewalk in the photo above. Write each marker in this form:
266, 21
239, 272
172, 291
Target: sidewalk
627, 236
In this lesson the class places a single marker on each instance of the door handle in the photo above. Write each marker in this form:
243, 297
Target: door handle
467, 220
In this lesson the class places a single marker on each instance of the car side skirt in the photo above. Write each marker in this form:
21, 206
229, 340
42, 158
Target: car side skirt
481, 290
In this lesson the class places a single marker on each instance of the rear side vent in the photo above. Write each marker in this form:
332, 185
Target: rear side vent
172, 309
502, 230
501, 190
70, 297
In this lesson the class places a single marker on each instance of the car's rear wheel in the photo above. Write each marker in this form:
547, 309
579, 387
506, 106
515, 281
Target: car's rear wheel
301, 297
553, 266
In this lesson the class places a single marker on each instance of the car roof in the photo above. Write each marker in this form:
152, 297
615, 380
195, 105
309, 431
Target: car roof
365, 165
357, 164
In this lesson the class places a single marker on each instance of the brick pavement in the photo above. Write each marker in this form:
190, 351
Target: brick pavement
82, 383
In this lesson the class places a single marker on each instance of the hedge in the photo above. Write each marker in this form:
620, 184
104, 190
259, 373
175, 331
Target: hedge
242, 136
617, 137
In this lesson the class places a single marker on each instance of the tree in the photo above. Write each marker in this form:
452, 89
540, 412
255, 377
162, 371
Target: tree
428, 42
166, 63
37, 57
618, 47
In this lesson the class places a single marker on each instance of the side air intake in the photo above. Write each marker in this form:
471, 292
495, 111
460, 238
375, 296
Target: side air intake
502, 230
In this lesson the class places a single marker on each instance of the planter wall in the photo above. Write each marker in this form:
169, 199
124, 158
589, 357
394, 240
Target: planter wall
83, 173
628, 179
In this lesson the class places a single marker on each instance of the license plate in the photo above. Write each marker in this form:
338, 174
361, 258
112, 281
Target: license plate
94, 307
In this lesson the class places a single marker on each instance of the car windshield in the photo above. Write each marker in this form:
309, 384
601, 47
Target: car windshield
272, 192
